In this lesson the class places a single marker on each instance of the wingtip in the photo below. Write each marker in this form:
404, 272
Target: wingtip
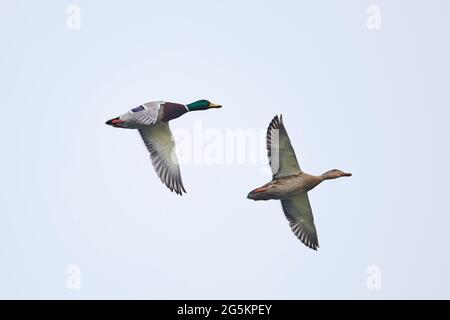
275, 122
277, 119
311, 245
180, 192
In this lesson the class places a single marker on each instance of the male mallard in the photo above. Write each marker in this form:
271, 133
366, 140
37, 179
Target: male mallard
151, 119
290, 185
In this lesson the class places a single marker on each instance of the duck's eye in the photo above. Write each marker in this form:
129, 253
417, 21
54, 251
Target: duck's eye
137, 109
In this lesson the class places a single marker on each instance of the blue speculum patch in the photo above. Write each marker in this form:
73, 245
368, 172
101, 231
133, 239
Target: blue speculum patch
137, 109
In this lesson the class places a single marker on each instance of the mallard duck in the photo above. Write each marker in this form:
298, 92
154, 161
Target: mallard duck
151, 119
290, 184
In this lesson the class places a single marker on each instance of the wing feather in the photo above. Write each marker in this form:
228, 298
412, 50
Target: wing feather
282, 158
299, 214
160, 143
149, 116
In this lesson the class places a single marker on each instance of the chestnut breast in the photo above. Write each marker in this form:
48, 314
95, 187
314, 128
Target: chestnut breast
172, 111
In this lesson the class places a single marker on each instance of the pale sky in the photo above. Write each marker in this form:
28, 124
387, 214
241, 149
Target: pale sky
75, 192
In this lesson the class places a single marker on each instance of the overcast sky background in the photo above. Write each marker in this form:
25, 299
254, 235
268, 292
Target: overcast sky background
76, 192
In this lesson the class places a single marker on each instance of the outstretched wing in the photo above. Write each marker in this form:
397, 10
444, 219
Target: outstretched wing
282, 157
149, 115
160, 143
299, 214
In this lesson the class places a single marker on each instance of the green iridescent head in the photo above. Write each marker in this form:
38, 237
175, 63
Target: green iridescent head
202, 105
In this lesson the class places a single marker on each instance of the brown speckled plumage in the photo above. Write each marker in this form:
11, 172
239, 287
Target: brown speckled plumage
290, 184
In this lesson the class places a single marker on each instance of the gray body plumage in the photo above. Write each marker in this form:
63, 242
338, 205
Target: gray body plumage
153, 113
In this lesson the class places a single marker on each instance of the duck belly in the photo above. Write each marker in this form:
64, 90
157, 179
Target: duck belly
277, 189
288, 187
286, 191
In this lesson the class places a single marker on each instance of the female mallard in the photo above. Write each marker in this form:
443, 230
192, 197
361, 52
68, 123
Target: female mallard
290, 185
151, 119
